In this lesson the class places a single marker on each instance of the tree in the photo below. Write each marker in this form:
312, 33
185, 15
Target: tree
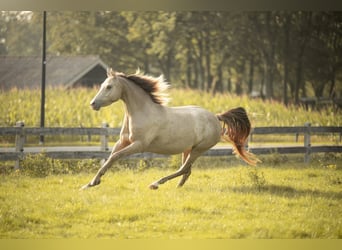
286, 54
155, 32
326, 46
18, 34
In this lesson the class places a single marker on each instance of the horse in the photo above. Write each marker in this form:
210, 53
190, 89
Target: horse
149, 125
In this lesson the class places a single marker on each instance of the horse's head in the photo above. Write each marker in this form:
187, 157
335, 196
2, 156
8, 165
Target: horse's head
110, 91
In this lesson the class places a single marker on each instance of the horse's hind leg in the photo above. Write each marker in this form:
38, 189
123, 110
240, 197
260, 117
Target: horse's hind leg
184, 170
184, 178
188, 173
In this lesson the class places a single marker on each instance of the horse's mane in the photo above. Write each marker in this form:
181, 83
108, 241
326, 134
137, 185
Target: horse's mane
155, 87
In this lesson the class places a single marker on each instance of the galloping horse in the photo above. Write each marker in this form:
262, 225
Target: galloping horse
151, 126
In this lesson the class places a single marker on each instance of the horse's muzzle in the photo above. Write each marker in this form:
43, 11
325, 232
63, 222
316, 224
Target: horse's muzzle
94, 106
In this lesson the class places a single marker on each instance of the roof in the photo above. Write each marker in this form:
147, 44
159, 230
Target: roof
18, 71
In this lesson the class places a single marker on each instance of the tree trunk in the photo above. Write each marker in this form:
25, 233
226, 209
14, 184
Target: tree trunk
200, 63
298, 80
208, 62
318, 89
269, 56
332, 89
146, 63
195, 85
262, 85
286, 76
299, 74
251, 75
269, 72
217, 81
219, 84
169, 58
286, 57
304, 35
188, 69
229, 85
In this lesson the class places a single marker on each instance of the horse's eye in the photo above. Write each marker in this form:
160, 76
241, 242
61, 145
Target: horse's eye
109, 87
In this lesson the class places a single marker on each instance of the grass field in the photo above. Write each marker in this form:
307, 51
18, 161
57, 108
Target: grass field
222, 199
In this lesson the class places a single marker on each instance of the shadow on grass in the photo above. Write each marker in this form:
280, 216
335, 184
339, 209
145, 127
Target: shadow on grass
287, 191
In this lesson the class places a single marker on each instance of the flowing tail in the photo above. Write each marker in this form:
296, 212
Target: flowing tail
236, 129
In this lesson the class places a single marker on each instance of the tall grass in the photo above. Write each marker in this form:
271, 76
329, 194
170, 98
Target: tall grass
262, 113
71, 108
62, 108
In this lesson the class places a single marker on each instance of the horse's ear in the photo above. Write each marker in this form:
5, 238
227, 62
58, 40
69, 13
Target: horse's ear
110, 72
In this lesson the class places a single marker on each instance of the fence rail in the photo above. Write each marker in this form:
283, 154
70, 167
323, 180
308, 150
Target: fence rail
20, 132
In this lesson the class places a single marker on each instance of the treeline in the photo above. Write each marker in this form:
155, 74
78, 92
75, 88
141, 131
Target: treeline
284, 55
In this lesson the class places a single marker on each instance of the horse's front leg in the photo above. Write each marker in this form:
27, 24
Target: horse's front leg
132, 148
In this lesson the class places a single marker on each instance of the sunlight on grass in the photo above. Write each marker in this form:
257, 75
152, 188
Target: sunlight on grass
217, 202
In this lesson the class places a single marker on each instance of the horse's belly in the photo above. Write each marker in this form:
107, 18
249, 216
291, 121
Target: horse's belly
172, 145
167, 151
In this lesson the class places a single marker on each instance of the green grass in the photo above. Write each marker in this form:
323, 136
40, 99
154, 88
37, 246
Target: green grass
222, 199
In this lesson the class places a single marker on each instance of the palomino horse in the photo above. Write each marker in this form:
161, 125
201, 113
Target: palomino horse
150, 126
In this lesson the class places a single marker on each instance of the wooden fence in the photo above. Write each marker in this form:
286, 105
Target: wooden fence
20, 132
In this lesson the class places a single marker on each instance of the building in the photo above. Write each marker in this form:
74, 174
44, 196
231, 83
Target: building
67, 71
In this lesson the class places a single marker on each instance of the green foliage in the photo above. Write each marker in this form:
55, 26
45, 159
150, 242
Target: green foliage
40, 165
143, 164
251, 177
208, 50
275, 159
257, 178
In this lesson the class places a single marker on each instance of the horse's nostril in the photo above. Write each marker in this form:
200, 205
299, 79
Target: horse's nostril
94, 105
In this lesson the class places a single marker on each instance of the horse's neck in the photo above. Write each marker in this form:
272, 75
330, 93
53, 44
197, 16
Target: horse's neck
137, 101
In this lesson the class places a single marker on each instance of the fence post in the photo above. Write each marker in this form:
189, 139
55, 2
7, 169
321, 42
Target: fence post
250, 137
307, 142
104, 138
297, 135
19, 142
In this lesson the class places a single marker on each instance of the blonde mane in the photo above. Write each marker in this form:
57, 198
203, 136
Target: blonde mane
155, 87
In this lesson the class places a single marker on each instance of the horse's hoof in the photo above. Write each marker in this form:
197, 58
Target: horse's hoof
86, 186
154, 186
91, 184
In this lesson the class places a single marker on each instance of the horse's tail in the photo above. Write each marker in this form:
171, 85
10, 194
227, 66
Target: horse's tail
236, 129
